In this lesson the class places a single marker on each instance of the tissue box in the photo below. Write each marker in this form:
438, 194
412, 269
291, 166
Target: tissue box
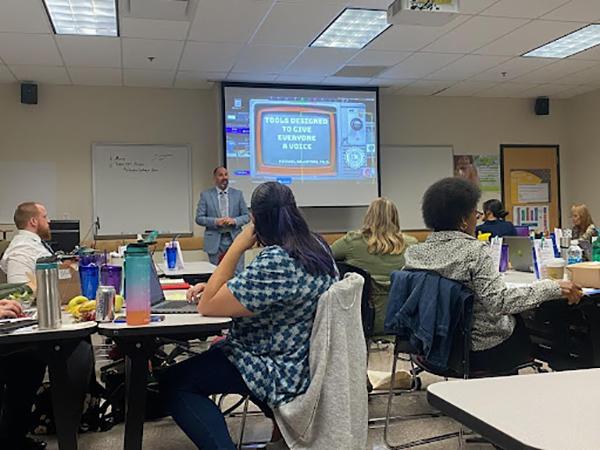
586, 274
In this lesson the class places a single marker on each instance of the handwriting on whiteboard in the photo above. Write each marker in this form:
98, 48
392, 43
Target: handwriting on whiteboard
127, 165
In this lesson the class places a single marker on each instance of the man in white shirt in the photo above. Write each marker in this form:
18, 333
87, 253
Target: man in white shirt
18, 261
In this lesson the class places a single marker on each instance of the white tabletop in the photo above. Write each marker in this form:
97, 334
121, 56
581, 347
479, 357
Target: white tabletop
191, 268
69, 326
551, 411
171, 320
514, 278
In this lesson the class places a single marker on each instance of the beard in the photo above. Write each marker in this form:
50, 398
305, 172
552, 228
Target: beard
45, 234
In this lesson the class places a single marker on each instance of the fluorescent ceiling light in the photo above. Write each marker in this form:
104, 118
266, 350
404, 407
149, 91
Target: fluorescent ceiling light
577, 41
353, 28
87, 17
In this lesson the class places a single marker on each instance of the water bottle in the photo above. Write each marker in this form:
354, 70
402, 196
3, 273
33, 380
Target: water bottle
574, 253
595, 249
137, 283
47, 296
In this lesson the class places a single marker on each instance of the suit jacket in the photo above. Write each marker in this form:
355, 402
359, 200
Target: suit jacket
208, 212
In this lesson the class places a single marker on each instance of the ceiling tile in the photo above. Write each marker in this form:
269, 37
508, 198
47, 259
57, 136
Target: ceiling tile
419, 65
577, 11
295, 23
209, 57
41, 74
507, 89
228, 20
153, 29
38, 49
556, 71
529, 9
197, 80
528, 37
148, 78
590, 76
423, 87
320, 61
466, 88
95, 76
346, 81
90, 51
23, 16
412, 37
475, 6
136, 52
387, 83
547, 90
474, 33
265, 58
512, 68
591, 54
299, 79
466, 67
252, 77
5, 75
574, 91
378, 58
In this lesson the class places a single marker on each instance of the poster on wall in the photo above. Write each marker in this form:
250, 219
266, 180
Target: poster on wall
530, 185
533, 216
483, 170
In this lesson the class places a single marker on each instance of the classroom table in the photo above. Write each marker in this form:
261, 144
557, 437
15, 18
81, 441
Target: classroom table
550, 411
193, 272
68, 353
139, 344
565, 336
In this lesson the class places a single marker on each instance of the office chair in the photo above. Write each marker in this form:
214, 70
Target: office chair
458, 365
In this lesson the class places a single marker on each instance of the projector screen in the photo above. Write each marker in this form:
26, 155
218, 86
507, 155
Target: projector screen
322, 142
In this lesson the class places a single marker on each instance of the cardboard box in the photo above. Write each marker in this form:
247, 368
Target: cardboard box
586, 274
68, 281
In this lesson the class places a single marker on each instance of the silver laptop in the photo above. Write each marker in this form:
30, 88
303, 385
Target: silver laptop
520, 252
158, 304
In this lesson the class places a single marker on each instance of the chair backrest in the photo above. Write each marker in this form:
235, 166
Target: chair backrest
460, 346
367, 309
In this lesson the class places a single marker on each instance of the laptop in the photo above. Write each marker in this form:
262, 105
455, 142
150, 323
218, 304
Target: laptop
158, 303
520, 252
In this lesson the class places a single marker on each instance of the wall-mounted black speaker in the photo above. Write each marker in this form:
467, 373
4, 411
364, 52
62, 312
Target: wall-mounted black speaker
542, 106
29, 93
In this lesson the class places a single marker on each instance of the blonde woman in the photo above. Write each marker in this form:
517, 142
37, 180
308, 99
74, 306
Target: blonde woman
583, 225
378, 248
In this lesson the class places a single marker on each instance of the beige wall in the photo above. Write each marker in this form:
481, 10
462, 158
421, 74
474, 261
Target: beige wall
68, 119
584, 152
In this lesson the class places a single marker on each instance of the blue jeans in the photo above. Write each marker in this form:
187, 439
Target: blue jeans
186, 387
225, 243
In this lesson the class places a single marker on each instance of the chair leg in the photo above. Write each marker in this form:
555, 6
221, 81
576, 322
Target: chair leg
243, 424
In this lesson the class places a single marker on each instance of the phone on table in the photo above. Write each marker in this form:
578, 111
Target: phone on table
153, 318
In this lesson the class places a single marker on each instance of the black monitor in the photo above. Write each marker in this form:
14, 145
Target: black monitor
65, 235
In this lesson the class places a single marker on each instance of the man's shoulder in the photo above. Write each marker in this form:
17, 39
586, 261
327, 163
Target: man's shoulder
208, 192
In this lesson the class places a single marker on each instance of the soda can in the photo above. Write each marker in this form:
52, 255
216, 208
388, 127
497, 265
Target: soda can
105, 300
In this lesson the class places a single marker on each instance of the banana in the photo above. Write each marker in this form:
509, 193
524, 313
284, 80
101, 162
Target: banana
90, 305
76, 302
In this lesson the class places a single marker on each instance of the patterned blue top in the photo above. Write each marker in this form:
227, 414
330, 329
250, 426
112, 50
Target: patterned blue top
270, 349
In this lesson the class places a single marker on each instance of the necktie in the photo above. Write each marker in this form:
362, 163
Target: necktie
223, 204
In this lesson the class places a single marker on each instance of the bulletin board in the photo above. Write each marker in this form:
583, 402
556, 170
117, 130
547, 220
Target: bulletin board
531, 185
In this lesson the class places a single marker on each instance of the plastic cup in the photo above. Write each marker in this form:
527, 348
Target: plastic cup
171, 252
88, 277
504, 258
111, 276
555, 269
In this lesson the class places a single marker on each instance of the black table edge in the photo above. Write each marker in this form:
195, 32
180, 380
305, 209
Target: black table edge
487, 431
164, 331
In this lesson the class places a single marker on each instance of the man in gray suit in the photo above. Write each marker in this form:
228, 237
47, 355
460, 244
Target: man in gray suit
223, 211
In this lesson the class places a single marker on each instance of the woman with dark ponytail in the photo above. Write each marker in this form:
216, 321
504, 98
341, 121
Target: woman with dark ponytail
493, 220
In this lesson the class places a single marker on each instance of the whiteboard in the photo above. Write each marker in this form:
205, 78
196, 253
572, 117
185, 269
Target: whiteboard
137, 187
27, 181
407, 172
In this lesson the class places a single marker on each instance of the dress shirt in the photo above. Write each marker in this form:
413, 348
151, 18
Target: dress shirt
223, 197
20, 256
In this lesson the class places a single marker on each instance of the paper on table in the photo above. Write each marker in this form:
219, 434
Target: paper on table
174, 295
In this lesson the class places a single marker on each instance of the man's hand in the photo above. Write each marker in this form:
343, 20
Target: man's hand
230, 221
571, 291
10, 309
220, 222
